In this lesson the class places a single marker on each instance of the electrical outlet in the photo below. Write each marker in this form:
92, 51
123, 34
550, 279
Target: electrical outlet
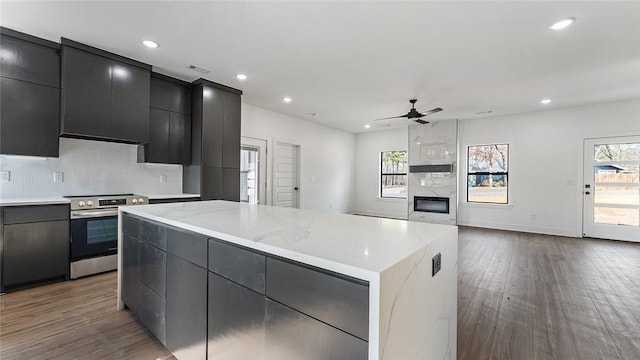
5, 176
436, 264
163, 178
58, 176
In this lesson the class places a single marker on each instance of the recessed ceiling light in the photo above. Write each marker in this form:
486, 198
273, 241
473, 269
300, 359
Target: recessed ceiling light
287, 99
150, 44
545, 101
367, 126
562, 24
241, 76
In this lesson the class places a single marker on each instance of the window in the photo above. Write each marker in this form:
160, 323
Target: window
488, 172
393, 174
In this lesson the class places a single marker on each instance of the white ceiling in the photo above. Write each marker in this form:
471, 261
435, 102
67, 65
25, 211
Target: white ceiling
352, 62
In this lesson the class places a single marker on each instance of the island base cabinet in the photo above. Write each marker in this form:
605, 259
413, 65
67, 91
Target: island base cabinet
236, 321
131, 273
186, 314
291, 335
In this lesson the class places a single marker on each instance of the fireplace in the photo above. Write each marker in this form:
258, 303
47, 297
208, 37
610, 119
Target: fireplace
431, 204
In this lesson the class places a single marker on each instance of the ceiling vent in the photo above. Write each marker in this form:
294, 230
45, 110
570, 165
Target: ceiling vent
198, 69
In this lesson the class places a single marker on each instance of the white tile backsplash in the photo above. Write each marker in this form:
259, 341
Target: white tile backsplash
89, 167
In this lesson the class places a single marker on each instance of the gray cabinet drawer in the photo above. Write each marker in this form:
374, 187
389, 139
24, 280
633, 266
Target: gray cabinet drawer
291, 335
131, 272
336, 300
244, 267
35, 213
150, 232
152, 312
153, 268
235, 321
187, 245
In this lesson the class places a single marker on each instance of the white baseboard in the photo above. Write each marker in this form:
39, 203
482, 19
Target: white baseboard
523, 228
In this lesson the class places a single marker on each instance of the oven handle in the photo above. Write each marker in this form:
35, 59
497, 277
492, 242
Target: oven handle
92, 214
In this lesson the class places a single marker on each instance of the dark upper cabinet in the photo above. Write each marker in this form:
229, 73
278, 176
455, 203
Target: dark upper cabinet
36, 62
212, 126
179, 138
231, 132
157, 150
215, 151
86, 93
170, 122
29, 94
104, 96
170, 94
129, 103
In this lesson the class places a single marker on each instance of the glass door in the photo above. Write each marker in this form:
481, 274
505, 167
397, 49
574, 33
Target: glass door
253, 171
612, 188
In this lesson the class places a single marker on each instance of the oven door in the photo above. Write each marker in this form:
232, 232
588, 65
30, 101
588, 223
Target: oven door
93, 233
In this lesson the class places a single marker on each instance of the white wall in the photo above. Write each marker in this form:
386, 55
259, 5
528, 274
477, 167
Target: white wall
326, 157
545, 164
368, 147
89, 168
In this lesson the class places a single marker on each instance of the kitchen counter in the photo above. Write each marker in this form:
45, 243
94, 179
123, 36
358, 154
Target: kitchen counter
171, 196
44, 201
412, 314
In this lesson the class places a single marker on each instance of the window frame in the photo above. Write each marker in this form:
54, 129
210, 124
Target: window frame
382, 174
488, 173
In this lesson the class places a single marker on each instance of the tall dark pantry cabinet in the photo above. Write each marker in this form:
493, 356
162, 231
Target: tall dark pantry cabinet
214, 172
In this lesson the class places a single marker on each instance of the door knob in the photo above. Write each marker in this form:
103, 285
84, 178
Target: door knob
587, 193
295, 188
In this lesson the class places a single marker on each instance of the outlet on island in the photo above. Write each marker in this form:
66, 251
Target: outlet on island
436, 264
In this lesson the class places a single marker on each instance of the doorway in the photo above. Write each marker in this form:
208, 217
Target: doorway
611, 190
253, 173
286, 187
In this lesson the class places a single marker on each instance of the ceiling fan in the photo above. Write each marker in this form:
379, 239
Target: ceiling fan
413, 114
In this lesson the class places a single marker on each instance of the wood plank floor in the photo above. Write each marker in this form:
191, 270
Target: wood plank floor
73, 320
520, 296
529, 296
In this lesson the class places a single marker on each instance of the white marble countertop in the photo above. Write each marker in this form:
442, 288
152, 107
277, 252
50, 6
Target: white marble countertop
44, 201
171, 196
358, 246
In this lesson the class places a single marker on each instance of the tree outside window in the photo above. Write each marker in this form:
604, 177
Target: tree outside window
393, 174
488, 172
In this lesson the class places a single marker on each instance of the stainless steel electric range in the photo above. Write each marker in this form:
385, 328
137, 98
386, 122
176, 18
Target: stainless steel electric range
94, 231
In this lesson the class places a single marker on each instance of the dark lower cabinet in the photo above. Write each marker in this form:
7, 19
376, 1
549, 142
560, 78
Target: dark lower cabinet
144, 272
131, 272
153, 312
34, 246
236, 316
292, 335
186, 309
205, 298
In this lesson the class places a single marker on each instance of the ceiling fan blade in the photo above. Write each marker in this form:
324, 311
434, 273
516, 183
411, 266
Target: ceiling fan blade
393, 117
420, 121
432, 111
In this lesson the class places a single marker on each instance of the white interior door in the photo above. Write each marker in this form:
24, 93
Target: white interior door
253, 170
612, 188
286, 187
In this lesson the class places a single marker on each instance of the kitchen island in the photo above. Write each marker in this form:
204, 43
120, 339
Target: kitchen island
227, 280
